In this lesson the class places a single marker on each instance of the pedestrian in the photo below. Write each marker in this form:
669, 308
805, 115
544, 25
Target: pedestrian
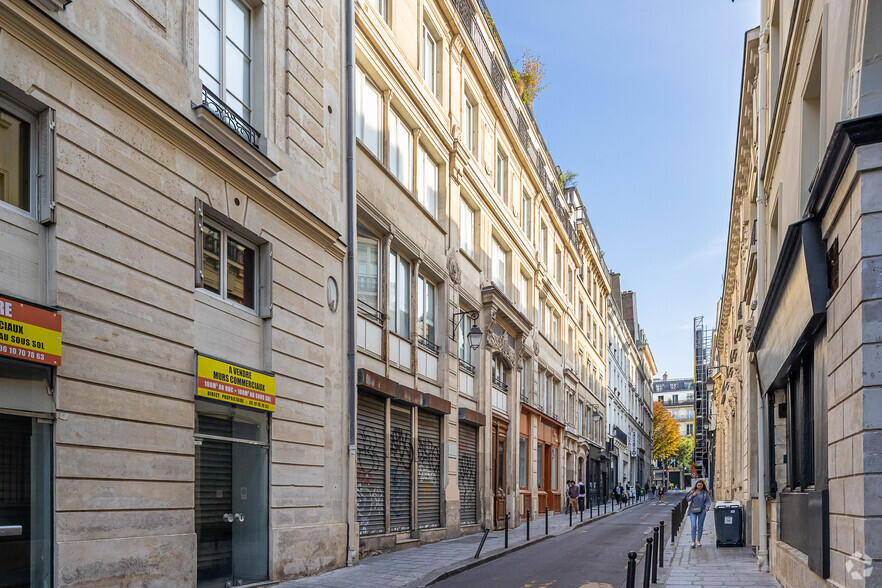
633, 491
573, 496
661, 492
654, 489
581, 495
699, 503
646, 488
618, 492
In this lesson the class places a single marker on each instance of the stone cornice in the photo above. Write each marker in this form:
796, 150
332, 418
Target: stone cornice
71, 54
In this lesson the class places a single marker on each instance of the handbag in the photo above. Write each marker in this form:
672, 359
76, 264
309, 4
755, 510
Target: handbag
697, 509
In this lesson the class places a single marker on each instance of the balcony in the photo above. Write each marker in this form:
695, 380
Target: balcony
218, 108
620, 435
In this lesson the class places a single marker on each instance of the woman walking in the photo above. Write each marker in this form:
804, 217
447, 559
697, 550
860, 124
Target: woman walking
699, 503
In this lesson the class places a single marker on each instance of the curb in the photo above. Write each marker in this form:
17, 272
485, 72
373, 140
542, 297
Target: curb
466, 565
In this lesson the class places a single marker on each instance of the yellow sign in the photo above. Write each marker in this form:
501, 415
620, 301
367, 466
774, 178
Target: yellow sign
30, 333
228, 382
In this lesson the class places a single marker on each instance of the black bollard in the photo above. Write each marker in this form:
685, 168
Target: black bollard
481, 546
604, 507
655, 555
632, 569
673, 524
581, 516
571, 515
506, 529
647, 562
546, 520
528, 524
661, 544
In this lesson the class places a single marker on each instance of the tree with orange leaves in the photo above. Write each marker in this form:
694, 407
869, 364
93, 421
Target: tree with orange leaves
665, 433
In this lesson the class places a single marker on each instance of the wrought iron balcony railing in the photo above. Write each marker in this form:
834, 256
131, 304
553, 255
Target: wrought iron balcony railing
218, 108
427, 345
500, 384
368, 311
466, 367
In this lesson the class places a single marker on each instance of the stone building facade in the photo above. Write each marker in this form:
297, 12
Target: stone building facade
171, 403
797, 417
464, 229
678, 396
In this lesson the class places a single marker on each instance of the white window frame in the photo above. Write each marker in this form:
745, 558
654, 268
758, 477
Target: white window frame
498, 263
469, 123
26, 117
224, 38
465, 348
362, 83
427, 183
501, 174
526, 213
363, 237
226, 233
400, 149
399, 288
466, 228
382, 7
430, 59
426, 298
523, 294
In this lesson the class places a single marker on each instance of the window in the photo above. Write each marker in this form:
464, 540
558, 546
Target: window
498, 373
522, 462
553, 468
427, 182
368, 113
380, 6
501, 174
426, 310
17, 136
466, 228
526, 212
811, 125
229, 266
543, 244
555, 330
399, 295
469, 124
801, 423
523, 293
558, 267
580, 419
400, 149
369, 272
539, 451
497, 271
430, 60
523, 370
225, 52
688, 429
581, 311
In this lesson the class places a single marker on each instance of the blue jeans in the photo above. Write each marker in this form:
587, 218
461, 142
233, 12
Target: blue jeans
697, 523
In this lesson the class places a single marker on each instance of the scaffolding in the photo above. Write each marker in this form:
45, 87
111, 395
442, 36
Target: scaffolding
703, 403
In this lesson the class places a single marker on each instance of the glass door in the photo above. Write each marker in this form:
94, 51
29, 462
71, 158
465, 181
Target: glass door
232, 510
25, 502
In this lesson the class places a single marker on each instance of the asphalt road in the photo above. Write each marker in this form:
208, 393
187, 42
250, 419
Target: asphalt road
593, 556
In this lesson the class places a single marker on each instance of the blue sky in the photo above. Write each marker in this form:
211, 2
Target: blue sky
642, 102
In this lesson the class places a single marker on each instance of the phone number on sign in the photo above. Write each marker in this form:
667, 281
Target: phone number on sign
19, 352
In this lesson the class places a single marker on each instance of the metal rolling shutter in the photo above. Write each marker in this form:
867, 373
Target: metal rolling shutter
468, 474
371, 477
429, 471
401, 464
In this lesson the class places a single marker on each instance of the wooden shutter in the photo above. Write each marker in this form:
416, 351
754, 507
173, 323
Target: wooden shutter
46, 166
265, 286
371, 465
198, 243
468, 474
401, 470
429, 480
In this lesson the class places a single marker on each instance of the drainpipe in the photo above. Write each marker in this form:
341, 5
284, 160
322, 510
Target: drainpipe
349, 99
762, 553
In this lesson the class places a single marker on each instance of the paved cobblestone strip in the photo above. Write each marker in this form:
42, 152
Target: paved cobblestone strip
403, 568
710, 565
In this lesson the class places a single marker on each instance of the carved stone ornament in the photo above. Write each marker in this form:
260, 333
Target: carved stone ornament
453, 269
509, 354
494, 341
535, 347
748, 331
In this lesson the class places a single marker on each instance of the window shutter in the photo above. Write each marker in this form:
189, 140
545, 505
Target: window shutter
265, 287
198, 243
46, 166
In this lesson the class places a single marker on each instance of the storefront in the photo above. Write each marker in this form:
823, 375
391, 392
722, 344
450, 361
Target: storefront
233, 407
30, 351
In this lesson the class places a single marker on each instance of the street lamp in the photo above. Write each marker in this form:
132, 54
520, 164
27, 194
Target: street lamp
474, 335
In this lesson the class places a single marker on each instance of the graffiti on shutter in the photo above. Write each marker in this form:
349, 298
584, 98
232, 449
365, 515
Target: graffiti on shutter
468, 474
370, 462
401, 470
429, 471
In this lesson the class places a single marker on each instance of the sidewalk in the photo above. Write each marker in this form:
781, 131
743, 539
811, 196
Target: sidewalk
710, 565
422, 565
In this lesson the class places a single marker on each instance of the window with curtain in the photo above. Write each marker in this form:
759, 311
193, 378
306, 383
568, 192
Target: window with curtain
399, 295
466, 228
368, 114
427, 181
426, 310
225, 52
400, 149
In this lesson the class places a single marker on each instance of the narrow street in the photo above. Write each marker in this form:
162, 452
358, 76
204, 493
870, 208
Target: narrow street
594, 556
